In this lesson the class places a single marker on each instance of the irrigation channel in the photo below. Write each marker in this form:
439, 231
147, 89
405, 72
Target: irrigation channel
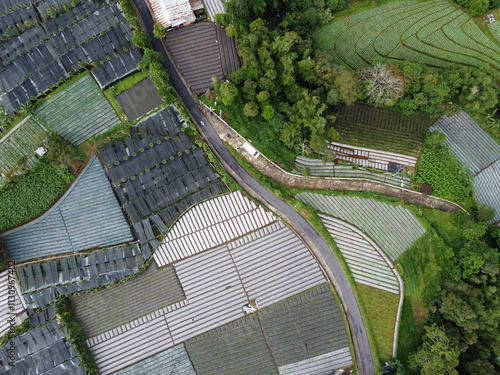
310, 236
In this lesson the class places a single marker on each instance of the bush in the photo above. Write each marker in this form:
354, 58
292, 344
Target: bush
32, 195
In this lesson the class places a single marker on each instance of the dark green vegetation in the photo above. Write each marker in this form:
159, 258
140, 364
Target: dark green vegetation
75, 334
382, 129
441, 170
31, 196
451, 279
120, 304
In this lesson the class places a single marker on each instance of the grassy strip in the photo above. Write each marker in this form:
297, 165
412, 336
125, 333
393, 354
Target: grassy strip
75, 334
21, 329
228, 180
33, 195
381, 308
128, 82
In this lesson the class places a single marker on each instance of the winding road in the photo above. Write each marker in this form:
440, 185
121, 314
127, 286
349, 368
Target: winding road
299, 224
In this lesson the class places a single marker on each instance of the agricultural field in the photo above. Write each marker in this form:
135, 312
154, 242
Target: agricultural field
477, 152
86, 216
41, 46
392, 228
19, 143
382, 129
264, 269
79, 112
157, 173
434, 32
316, 167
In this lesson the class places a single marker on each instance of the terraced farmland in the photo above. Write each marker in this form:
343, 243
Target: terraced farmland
382, 129
319, 168
19, 142
433, 32
363, 256
79, 112
393, 228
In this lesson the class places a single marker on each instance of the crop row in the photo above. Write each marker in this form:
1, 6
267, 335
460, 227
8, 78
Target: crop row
432, 32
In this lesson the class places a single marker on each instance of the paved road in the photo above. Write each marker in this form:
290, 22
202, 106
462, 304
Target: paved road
358, 330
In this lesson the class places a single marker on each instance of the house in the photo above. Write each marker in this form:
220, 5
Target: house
172, 13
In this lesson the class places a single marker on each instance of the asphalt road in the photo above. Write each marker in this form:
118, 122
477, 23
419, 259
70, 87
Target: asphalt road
357, 327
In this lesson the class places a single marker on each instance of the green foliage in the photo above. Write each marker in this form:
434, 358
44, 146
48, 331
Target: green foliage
75, 335
60, 153
440, 169
251, 109
32, 195
149, 57
348, 86
485, 213
159, 31
141, 40
474, 7
437, 355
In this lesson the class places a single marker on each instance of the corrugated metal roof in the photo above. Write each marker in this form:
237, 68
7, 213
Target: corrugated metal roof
320, 365
472, 146
172, 12
274, 264
214, 7
9, 307
174, 361
393, 228
237, 348
210, 224
87, 216
487, 188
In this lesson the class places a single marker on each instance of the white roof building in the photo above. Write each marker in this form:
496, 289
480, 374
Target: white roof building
171, 13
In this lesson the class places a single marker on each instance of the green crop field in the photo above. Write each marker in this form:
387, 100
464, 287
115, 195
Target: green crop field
382, 129
433, 32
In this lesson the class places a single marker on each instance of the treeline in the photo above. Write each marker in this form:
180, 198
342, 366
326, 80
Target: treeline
286, 84
462, 336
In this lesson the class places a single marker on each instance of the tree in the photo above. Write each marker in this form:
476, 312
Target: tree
149, 56
251, 109
60, 153
227, 92
383, 85
268, 112
436, 355
318, 144
141, 40
263, 96
479, 92
485, 213
348, 86
159, 30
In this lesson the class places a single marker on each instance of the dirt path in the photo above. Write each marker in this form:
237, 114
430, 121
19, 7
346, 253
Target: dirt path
271, 170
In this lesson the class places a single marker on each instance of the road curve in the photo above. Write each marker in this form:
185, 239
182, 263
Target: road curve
299, 223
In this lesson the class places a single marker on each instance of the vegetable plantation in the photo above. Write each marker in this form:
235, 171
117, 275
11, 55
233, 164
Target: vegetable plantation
19, 143
79, 112
30, 197
433, 32
382, 129
393, 228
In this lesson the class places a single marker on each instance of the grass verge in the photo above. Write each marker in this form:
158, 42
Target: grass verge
381, 308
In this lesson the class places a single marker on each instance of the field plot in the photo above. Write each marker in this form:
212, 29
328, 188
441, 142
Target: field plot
44, 350
319, 168
433, 32
41, 283
202, 51
158, 173
365, 259
98, 313
382, 129
9, 307
478, 152
210, 224
172, 361
304, 334
80, 112
18, 143
393, 228
260, 266
36, 58
86, 216
117, 68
